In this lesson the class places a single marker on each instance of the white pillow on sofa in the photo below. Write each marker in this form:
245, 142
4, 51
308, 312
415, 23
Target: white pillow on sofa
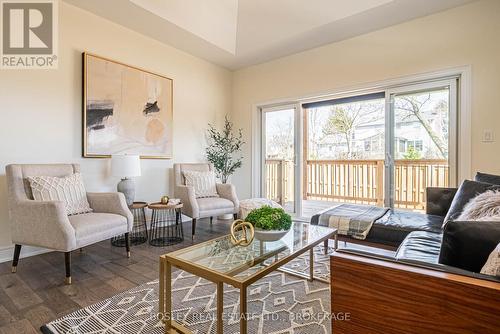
492, 265
485, 207
68, 189
202, 182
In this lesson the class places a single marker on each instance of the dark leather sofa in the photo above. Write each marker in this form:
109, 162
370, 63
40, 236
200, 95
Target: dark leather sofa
392, 229
422, 239
461, 249
433, 282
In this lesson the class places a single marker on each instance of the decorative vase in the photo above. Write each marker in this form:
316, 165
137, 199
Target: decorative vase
127, 187
269, 235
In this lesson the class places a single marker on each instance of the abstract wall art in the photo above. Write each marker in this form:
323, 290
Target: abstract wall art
126, 110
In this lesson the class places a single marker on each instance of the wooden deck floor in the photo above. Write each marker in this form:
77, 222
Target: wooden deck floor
311, 207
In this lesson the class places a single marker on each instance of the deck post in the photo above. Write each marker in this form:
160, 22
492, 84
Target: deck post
380, 182
305, 156
279, 178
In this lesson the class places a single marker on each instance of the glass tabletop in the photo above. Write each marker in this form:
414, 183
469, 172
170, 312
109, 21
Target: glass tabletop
222, 256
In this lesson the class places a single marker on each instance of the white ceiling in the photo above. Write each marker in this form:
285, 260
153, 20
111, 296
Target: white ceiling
239, 33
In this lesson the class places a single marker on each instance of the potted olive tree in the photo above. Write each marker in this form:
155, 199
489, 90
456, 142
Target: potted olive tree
270, 224
224, 150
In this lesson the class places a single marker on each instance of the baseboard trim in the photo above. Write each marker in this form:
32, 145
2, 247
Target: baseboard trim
6, 253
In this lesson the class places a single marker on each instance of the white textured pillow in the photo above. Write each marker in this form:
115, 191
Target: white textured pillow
492, 265
485, 207
202, 182
69, 189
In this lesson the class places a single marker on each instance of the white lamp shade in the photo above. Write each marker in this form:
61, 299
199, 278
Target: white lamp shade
125, 165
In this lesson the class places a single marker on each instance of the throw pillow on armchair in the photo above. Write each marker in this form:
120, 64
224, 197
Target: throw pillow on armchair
203, 183
68, 189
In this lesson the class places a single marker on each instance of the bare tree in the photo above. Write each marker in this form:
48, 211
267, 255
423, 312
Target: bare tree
314, 138
344, 120
414, 106
281, 140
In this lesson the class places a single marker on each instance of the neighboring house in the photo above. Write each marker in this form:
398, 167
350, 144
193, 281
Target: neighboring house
368, 142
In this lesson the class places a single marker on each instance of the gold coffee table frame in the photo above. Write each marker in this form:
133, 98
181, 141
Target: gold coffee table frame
172, 259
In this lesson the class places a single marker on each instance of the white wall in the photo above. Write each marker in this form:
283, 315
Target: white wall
40, 110
467, 35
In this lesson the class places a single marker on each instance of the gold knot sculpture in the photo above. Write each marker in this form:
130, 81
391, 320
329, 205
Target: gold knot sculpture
244, 238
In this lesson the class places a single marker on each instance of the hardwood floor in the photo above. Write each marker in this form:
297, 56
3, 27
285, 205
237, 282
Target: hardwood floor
36, 294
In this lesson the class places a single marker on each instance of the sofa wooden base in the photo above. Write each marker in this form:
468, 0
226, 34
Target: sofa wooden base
376, 296
367, 243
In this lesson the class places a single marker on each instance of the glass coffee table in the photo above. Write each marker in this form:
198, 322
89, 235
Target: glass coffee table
220, 261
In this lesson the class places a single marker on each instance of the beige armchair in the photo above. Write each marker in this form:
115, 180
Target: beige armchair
226, 203
46, 224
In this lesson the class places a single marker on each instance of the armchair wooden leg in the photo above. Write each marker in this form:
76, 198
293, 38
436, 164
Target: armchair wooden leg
15, 260
193, 228
211, 220
127, 244
235, 215
67, 264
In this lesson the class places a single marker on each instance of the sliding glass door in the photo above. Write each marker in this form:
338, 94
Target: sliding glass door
280, 155
344, 151
422, 150
383, 147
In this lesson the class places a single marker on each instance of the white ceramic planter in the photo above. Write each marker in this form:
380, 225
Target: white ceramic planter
227, 216
269, 235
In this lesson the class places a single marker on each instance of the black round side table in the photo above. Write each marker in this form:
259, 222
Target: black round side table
166, 224
139, 234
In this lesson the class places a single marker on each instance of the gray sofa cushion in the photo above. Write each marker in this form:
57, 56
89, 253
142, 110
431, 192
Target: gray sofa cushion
467, 191
487, 178
420, 246
393, 228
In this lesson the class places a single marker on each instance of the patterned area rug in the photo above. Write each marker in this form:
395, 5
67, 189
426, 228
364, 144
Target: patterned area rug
278, 303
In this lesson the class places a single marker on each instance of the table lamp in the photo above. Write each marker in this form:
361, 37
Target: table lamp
126, 167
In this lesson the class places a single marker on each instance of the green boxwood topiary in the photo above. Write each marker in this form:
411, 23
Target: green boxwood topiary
267, 218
